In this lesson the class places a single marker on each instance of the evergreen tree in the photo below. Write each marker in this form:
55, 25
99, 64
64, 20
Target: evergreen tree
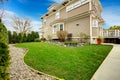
19, 38
29, 37
10, 36
24, 38
4, 53
32, 36
15, 38
36, 35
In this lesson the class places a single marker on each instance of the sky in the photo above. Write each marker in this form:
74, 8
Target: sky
34, 9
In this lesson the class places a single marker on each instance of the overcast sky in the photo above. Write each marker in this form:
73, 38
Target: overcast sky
33, 9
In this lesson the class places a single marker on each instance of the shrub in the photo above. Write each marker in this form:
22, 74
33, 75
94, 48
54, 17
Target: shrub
19, 37
84, 38
4, 53
62, 35
69, 37
43, 39
37, 40
71, 43
10, 36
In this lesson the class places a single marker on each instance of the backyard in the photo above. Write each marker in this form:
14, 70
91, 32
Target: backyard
69, 63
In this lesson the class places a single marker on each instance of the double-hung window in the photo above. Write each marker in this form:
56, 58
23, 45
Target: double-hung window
54, 29
58, 27
95, 23
61, 27
57, 15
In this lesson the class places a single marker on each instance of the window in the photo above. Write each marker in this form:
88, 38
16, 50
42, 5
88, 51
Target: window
61, 27
44, 22
57, 16
54, 29
95, 23
58, 26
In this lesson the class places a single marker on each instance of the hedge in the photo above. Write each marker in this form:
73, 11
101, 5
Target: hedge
4, 53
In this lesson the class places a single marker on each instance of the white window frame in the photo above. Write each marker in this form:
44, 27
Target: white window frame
57, 15
54, 29
57, 27
76, 4
63, 26
95, 23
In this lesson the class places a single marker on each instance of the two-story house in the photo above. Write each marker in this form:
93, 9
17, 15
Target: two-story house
74, 16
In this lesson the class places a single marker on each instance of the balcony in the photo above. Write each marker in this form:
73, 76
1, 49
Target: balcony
111, 33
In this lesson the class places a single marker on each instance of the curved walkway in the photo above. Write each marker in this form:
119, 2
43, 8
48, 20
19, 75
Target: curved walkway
19, 70
110, 68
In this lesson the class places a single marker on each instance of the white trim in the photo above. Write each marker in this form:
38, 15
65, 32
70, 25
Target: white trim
57, 15
90, 8
91, 37
58, 27
62, 24
76, 4
95, 23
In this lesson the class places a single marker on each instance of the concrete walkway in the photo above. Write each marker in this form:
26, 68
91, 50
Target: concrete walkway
110, 68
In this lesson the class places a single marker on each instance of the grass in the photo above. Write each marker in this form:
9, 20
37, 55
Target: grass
67, 63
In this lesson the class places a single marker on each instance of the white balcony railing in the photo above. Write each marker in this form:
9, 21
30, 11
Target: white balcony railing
111, 33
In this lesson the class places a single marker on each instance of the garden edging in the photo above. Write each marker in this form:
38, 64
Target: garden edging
36, 71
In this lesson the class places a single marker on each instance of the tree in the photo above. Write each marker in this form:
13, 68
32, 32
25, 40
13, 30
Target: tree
24, 38
36, 35
114, 28
4, 53
14, 37
10, 36
21, 25
20, 38
62, 35
28, 37
2, 13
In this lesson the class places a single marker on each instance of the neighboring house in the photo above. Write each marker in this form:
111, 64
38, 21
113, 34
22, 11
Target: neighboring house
74, 16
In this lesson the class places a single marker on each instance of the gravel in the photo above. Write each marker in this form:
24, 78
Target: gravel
20, 71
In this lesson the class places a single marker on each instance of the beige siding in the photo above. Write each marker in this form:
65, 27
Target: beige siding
96, 10
63, 14
50, 19
84, 26
95, 32
78, 10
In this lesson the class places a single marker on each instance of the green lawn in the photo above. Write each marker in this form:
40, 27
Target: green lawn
67, 63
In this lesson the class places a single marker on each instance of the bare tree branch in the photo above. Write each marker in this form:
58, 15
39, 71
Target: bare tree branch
21, 25
2, 13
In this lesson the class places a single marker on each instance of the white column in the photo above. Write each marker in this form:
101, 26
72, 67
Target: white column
107, 33
115, 33
90, 8
118, 33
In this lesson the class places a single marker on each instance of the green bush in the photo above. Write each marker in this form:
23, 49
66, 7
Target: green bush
37, 40
71, 43
4, 53
15, 37
43, 39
